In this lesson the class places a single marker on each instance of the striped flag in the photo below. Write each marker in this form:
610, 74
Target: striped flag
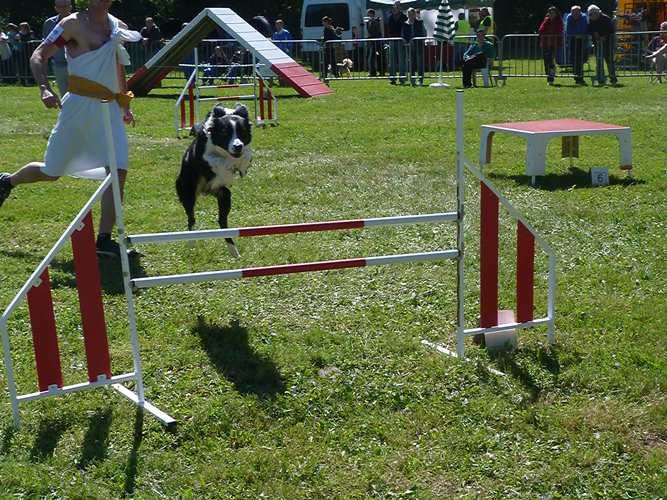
444, 24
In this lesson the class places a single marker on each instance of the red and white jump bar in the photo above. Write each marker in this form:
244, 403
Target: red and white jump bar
255, 272
308, 227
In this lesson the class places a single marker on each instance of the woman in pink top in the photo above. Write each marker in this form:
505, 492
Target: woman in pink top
551, 39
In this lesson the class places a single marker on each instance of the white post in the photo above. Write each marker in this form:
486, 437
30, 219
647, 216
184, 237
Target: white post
177, 118
124, 260
196, 82
551, 298
9, 370
254, 84
275, 107
460, 243
439, 83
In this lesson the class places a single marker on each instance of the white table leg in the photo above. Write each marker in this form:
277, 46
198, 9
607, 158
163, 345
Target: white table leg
625, 143
536, 155
485, 144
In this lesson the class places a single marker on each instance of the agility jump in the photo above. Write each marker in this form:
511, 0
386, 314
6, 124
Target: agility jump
492, 321
37, 291
186, 109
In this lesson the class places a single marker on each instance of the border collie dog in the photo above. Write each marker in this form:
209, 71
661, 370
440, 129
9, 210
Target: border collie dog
219, 151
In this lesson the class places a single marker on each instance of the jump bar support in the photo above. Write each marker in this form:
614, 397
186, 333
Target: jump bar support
290, 228
254, 272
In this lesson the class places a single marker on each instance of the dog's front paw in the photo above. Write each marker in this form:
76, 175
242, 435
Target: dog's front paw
233, 251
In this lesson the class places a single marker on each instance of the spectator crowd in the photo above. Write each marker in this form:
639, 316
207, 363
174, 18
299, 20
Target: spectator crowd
398, 44
392, 46
17, 43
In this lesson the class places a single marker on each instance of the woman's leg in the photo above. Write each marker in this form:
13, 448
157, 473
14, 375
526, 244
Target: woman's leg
108, 213
547, 56
32, 172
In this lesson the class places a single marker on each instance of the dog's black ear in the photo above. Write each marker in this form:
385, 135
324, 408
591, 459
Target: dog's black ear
218, 111
241, 111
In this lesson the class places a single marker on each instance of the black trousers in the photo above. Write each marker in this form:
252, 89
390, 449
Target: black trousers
374, 60
549, 64
477, 62
577, 58
330, 60
605, 54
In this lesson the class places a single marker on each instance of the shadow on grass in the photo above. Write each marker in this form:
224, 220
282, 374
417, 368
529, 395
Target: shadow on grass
173, 97
96, 441
111, 274
227, 348
131, 469
7, 437
48, 435
575, 179
17, 254
567, 85
536, 369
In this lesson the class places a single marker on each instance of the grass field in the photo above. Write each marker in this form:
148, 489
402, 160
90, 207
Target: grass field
317, 385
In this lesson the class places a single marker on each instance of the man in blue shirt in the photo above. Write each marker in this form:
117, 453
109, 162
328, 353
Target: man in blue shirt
282, 35
477, 56
576, 32
602, 30
58, 61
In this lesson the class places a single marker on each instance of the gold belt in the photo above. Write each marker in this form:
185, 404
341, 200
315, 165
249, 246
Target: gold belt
88, 88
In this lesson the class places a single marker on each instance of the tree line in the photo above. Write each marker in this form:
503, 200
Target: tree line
168, 14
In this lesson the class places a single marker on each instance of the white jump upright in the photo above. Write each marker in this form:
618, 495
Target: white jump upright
187, 109
37, 291
492, 320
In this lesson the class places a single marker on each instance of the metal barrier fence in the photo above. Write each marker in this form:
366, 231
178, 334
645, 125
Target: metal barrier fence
577, 57
518, 56
393, 59
16, 67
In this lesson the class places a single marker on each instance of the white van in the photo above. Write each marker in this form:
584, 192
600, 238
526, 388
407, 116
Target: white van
345, 13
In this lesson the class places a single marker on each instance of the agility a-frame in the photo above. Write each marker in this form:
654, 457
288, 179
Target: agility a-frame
264, 51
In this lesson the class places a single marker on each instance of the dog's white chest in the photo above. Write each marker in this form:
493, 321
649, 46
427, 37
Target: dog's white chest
225, 167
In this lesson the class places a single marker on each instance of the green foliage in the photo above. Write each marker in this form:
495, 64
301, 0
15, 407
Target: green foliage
317, 386
168, 13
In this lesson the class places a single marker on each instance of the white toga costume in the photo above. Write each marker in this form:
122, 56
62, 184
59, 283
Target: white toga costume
77, 145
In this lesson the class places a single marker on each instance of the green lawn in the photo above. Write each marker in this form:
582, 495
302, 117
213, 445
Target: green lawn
317, 385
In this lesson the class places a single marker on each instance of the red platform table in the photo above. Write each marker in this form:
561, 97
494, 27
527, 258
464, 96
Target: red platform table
538, 133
